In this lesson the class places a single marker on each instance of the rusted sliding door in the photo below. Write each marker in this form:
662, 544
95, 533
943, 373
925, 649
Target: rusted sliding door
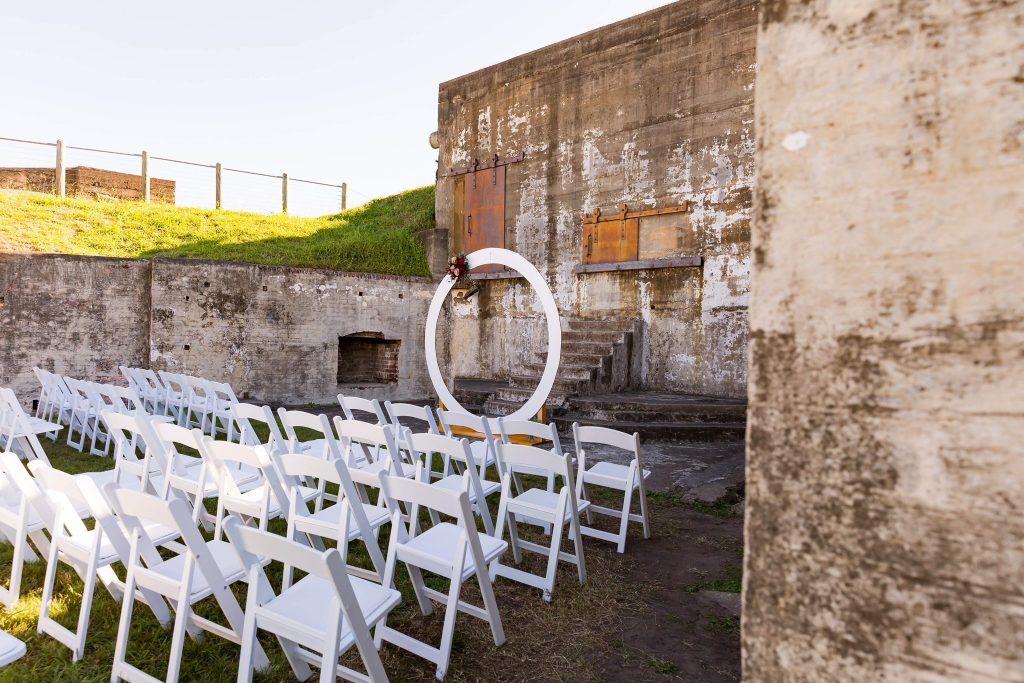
483, 220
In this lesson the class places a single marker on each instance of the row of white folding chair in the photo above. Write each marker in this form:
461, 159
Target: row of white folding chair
148, 386
190, 400
54, 397
20, 431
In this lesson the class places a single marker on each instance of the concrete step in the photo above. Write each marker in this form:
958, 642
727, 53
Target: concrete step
519, 396
606, 337
593, 360
686, 432
566, 370
561, 386
583, 324
589, 348
650, 407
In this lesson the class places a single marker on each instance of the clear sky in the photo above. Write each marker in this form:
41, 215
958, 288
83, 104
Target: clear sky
327, 91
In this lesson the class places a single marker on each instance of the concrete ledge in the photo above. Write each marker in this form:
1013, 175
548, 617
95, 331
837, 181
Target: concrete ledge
501, 275
679, 262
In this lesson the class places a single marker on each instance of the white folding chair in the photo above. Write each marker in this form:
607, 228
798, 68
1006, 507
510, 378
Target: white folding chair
317, 619
453, 551
244, 414
472, 479
530, 433
202, 569
83, 415
369, 448
90, 552
19, 523
139, 461
350, 405
419, 419
557, 509
625, 478
189, 475
20, 431
300, 419
52, 396
222, 398
478, 430
265, 501
199, 402
99, 401
176, 395
348, 520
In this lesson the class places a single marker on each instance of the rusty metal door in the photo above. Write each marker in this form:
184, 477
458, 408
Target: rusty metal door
484, 212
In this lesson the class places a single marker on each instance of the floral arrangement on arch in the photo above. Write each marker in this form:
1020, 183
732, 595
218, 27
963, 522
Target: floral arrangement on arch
458, 268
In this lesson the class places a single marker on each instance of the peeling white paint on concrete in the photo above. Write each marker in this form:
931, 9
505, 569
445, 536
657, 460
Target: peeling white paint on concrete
796, 141
636, 167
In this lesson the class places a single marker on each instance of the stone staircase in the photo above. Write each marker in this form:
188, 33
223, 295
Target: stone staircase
598, 356
687, 418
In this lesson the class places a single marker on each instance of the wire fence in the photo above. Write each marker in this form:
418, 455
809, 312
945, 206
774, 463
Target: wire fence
64, 170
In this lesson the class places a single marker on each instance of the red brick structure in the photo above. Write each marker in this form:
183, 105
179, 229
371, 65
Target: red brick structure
83, 181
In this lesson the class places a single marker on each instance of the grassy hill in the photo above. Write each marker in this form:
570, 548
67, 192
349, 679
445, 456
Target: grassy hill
378, 237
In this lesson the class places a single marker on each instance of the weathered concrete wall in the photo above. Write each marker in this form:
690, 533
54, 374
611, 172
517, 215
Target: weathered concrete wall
74, 315
885, 475
273, 332
653, 111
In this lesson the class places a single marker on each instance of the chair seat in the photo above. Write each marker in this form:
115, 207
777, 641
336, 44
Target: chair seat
317, 447
11, 649
438, 544
539, 500
307, 606
326, 521
40, 426
158, 533
455, 482
222, 553
611, 475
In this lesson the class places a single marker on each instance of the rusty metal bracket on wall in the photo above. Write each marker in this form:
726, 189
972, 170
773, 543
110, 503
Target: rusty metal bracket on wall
495, 162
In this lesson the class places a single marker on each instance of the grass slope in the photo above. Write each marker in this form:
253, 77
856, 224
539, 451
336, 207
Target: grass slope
378, 237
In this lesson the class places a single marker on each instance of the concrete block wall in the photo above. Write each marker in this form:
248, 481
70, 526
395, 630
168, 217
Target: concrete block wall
885, 476
652, 111
272, 332
76, 315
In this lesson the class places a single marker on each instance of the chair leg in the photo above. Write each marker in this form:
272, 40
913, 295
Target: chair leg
329, 663
643, 509
416, 577
124, 627
624, 522
491, 606
181, 619
577, 540
556, 545
448, 632
86, 609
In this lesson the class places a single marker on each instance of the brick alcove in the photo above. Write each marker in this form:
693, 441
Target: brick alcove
368, 358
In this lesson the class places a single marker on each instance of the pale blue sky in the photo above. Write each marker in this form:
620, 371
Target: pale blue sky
323, 90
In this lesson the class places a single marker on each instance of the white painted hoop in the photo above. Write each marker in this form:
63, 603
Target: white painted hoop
510, 259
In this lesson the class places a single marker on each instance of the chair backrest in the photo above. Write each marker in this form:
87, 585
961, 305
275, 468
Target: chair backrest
173, 437
125, 400
246, 413
508, 429
300, 419
227, 456
361, 441
423, 446
451, 420
606, 436
530, 460
408, 411
350, 405
223, 393
130, 434
318, 471
173, 382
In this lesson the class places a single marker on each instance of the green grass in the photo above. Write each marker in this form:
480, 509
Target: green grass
378, 237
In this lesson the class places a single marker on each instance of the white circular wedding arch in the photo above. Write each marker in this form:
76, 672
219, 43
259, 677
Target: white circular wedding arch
510, 259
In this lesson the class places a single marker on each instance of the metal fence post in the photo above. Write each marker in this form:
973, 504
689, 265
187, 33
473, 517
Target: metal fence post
344, 196
60, 181
145, 176
284, 193
218, 173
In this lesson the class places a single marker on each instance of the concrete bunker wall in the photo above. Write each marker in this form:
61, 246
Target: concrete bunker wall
884, 471
272, 332
653, 111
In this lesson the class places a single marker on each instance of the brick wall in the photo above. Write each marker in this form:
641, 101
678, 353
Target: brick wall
82, 181
366, 357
